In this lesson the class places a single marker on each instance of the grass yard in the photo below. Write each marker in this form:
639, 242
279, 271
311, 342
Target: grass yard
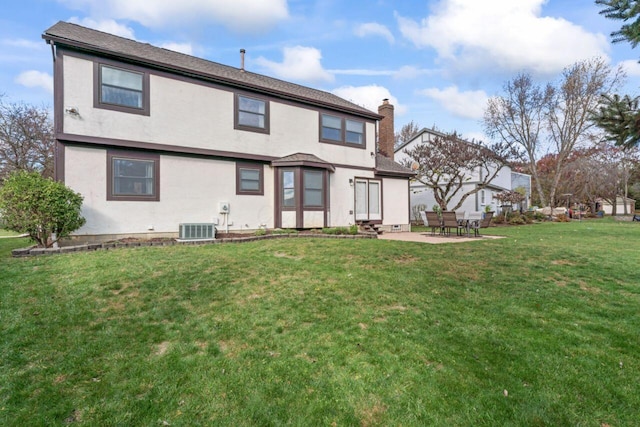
541, 328
7, 233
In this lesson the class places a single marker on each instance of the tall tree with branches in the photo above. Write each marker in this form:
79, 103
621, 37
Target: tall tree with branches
569, 111
517, 119
406, 132
26, 139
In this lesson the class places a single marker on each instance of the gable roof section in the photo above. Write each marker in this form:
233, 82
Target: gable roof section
419, 133
89, 40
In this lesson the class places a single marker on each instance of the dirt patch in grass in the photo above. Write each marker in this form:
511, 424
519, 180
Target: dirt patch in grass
162, 348
371, 414
562, 262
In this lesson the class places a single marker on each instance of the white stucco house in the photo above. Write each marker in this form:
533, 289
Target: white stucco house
155, 139
480, 201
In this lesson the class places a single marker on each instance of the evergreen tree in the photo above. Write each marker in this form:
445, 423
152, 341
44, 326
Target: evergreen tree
619, 118
627, 11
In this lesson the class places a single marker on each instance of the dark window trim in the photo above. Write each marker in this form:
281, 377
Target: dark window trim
133, 155
381, 183
252, 166
323, 177
236, 113
97, 88
296, 187
343, 130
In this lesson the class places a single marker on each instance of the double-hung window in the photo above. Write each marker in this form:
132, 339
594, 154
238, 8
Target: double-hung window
313, 182
354, 132
338, 130
331, 128
252, 114
249, 179
121, 89
133, 176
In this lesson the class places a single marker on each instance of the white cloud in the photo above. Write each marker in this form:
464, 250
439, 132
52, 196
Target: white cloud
374, 29
299, 63
409, 72
505, 34
238, 15
106, 25
34, 78
23, 43
369, 97
179, 47
363, 72
631, 67
468, 105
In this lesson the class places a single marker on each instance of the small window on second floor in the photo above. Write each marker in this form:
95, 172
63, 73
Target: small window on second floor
331, 128
121, 89
355, 132
252, 114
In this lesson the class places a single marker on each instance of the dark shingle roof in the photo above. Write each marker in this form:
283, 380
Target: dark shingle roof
303, 159
99, 42
386, 166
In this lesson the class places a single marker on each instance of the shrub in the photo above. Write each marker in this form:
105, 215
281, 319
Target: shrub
284, 231
261, 232
516, 220
353, 229
39, 206
498, 219
539, 216
562, 218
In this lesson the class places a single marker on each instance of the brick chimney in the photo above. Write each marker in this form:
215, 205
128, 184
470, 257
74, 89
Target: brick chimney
386, 133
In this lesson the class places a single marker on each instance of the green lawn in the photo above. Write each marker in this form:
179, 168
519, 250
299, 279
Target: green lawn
538, 329
7, 233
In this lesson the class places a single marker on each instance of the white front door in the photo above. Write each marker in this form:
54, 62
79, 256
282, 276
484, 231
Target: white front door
368, 200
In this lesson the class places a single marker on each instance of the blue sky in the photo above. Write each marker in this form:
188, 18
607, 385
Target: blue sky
437, 60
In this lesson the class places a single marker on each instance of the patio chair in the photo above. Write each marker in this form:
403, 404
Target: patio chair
483, 223
449, 221
431, 220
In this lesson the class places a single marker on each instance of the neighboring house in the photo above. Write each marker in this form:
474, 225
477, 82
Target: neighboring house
154, 138
523, 181
480, 201
620, 202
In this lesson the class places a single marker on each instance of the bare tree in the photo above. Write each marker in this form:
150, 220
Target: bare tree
406, 132
26, 139
569, 112
447, 162
517, 118
527, 115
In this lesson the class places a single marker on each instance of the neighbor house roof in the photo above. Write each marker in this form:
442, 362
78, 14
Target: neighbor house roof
98, 42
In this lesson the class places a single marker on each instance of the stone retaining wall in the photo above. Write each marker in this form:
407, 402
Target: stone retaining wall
35, 251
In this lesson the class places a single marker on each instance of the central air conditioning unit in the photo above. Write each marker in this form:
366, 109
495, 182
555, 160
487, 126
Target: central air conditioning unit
203, 231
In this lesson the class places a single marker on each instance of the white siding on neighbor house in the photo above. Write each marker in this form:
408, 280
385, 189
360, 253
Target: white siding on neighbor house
190, 191
192, 115
422, 195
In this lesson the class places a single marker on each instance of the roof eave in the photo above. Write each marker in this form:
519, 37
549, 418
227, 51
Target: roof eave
50, 38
